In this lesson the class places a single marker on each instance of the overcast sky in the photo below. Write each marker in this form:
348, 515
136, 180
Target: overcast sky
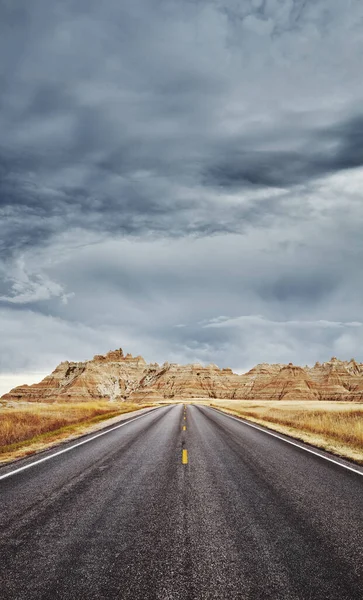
182, 178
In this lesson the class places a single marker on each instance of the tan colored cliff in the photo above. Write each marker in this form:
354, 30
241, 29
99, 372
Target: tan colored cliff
339, 380
111, 377
255, 380
290, 383
116, 377
190, 381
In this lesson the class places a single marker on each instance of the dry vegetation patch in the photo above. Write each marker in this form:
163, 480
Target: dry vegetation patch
333, 426
32, 424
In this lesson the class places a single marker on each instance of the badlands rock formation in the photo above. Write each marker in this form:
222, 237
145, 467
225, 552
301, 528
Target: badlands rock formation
116, 377
190, 381
112, 377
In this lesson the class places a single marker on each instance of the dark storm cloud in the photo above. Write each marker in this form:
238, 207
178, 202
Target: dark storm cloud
308, 287
163, 163
103, 131
116, 198
325, 151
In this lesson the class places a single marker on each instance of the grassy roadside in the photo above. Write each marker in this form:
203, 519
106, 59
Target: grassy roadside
29, 428
333, 426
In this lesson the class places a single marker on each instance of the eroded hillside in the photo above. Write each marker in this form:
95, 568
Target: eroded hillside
118, 377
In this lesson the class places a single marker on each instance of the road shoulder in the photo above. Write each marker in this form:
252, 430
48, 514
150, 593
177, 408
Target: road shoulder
302, 439
80, 431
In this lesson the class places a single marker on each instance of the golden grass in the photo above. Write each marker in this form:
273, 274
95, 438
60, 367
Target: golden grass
333, 426
41, 423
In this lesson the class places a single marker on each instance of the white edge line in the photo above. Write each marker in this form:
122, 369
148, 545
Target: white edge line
261, 428
37, 462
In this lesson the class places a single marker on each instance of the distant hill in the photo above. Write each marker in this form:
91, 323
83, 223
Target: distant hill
117, 377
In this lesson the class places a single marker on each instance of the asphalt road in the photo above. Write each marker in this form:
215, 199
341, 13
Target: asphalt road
248, 517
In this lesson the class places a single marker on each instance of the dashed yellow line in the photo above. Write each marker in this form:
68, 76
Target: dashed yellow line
184, 427
184, 456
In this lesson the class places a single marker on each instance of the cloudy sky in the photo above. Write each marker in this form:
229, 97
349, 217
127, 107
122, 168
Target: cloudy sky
182, 178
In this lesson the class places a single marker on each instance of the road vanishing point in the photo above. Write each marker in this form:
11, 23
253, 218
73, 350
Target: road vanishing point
181, 503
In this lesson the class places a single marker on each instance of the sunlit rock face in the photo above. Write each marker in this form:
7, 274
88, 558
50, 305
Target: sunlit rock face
111, 377
339, 380
119, 377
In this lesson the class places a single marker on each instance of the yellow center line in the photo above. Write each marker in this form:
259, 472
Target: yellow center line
184, 428
184, 456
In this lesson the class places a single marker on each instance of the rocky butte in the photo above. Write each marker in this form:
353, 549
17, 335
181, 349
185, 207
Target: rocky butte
116, 377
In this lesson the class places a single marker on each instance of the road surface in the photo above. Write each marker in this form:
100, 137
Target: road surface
238, 515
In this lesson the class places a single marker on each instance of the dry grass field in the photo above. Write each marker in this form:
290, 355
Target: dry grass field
35, 425
333, 426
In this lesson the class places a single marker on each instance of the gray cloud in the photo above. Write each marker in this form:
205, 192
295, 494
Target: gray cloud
324, 151
164, 163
